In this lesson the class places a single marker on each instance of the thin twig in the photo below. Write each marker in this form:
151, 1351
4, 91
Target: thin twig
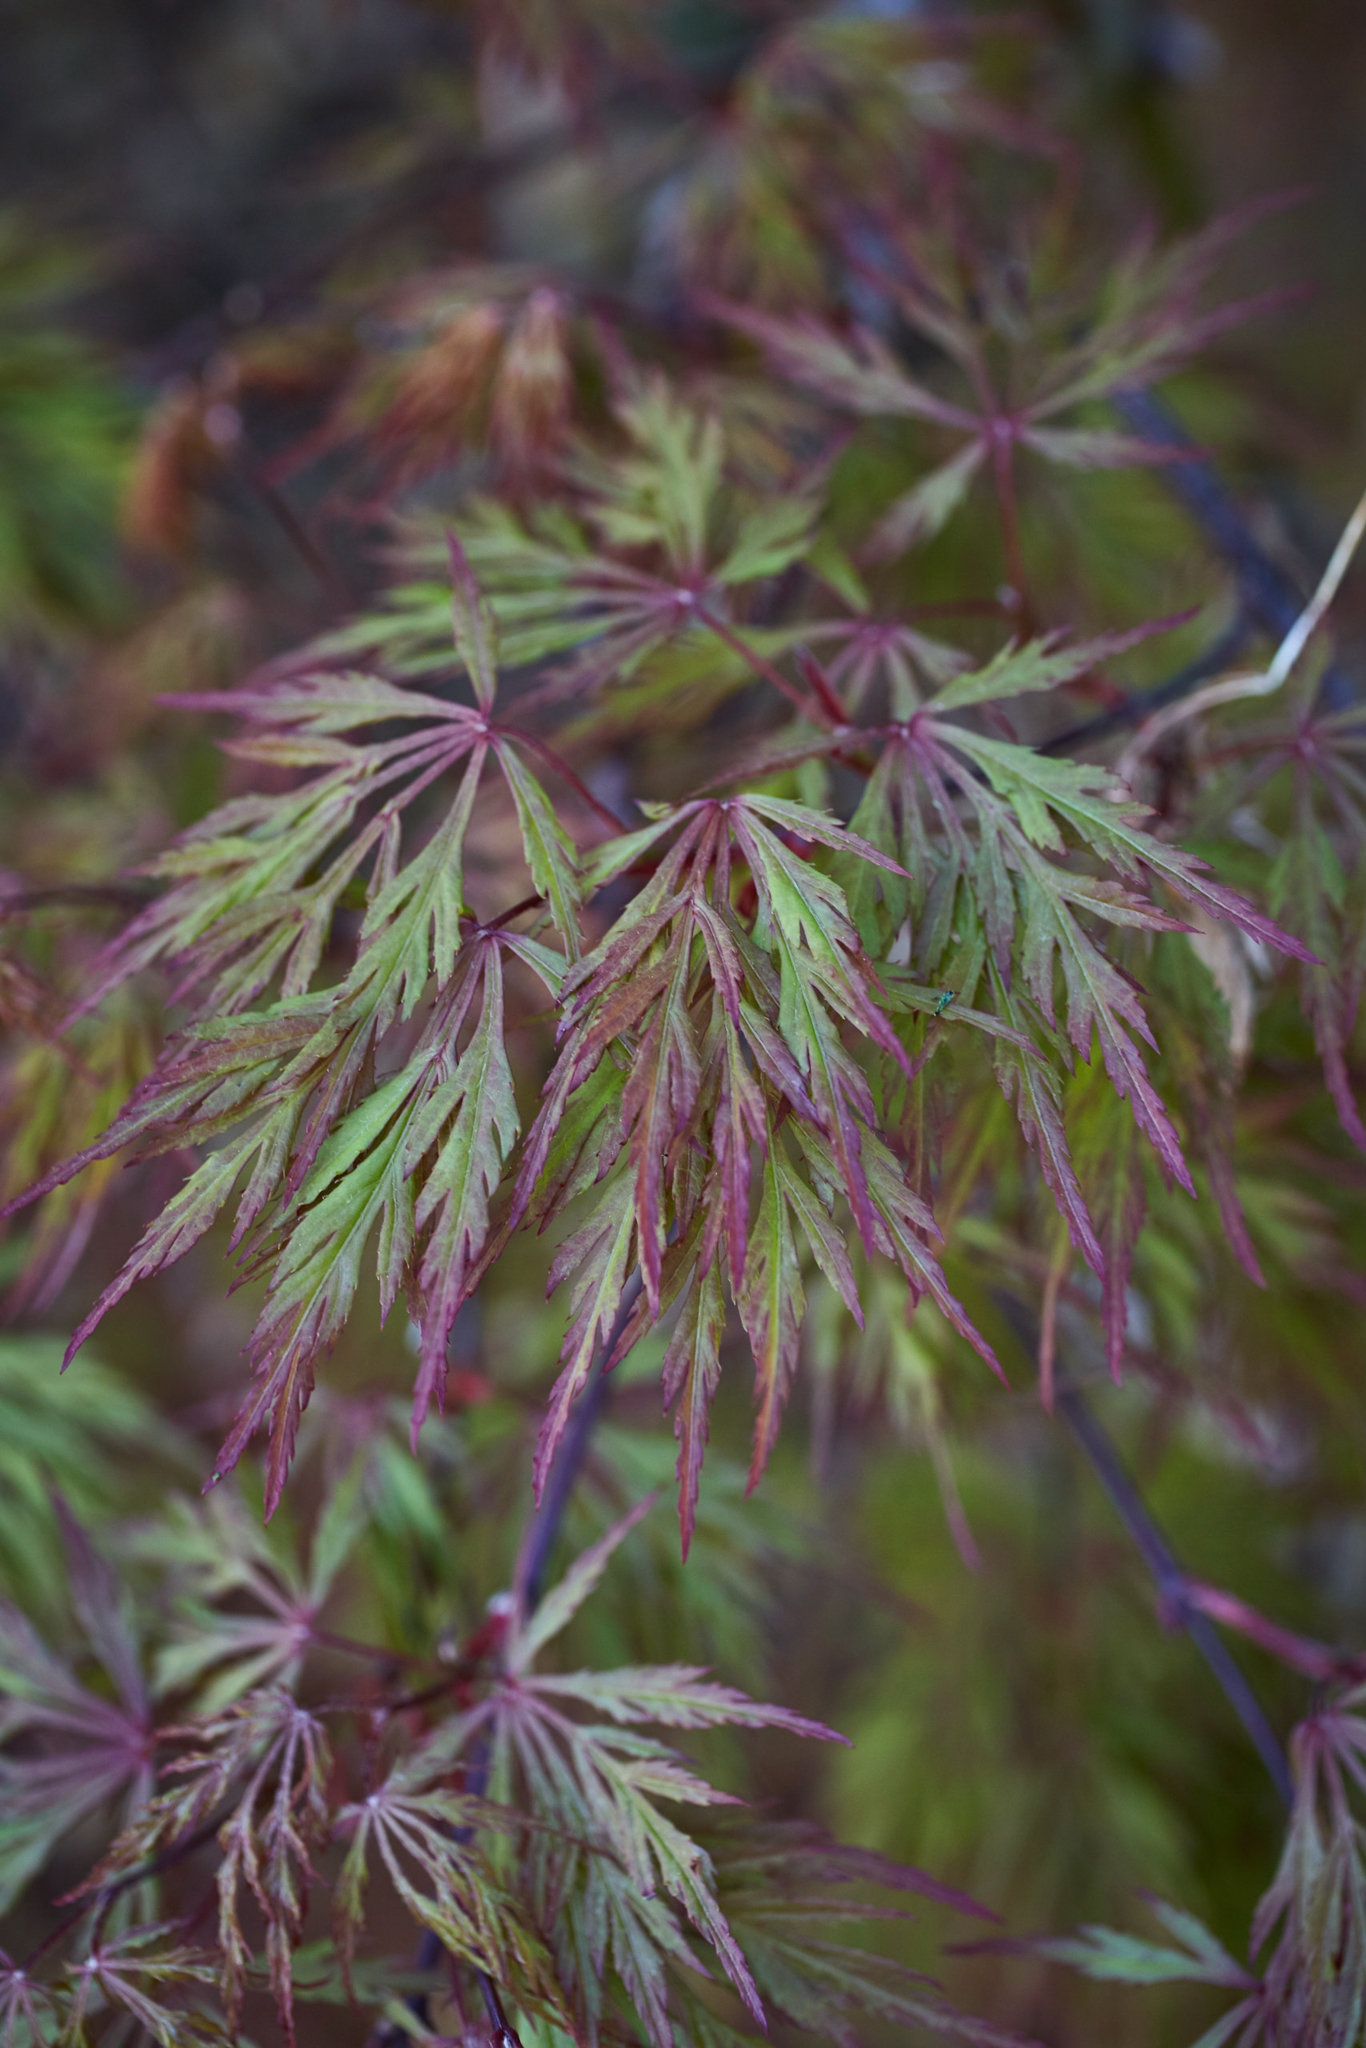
294, 530
1268, 592
1319, 1661
544, 1526
817, 713
503, 2035
563, 769
1178, 1606
537, 1544
1264, 682
1212, 662
374, 1653
104, 1896
101, 895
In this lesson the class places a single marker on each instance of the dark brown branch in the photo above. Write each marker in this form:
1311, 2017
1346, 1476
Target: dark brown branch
503, 2035
1177, 1606
767, 669
374, 1653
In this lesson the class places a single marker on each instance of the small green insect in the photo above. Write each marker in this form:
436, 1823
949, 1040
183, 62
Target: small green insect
941, 1002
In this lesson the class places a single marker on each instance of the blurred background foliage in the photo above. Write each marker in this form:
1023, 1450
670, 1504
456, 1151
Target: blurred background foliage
223, 278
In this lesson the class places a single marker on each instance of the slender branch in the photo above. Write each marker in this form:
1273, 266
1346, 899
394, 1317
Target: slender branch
1319, 1661
544, 1526
562, 768
430, 1947
102, 1898
537, 1544
1261, 682
101, 895
817, 713
821, 687
1269, 594
503, 2035
294, 530
1174, 1589
374, 1653
505, 917
1136, 707
1003, 469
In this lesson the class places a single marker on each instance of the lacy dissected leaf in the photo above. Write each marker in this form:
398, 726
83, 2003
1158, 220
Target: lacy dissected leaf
781, 1886
1148, 324
1311, 890
79, 1438
1019, 671
327, 1168
1004, 863
858, 371
254, 886
615, 1880
549, 850
27, 2006
779, 1029
59, 1090
1315, 1906
1045, 793
692, 1373
1034, 1089
421, 1838
1105, 1952
1312, 1986
1109, 1955
68, 1751
285, 1093
135, 1975
649, 545
256, 1777
473, 1120
726, 1022
246, 1603
485, 363
1110, 1167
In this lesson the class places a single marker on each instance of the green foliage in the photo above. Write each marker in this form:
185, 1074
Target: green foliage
742, 863
569, 1884
50, 1455
65, 440
1310, 1989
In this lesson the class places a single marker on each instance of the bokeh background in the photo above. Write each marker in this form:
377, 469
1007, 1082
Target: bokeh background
217, 196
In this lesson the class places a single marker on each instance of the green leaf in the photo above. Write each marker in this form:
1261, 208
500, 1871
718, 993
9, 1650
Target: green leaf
769, 540
923, 511
549, 850
772, 1304
564, 1600
692, 1373
473, 1120
861, 374
1105, 1953
1038, 665
675, 1696
475, 632
411, 933
599, 1250
421, 1841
